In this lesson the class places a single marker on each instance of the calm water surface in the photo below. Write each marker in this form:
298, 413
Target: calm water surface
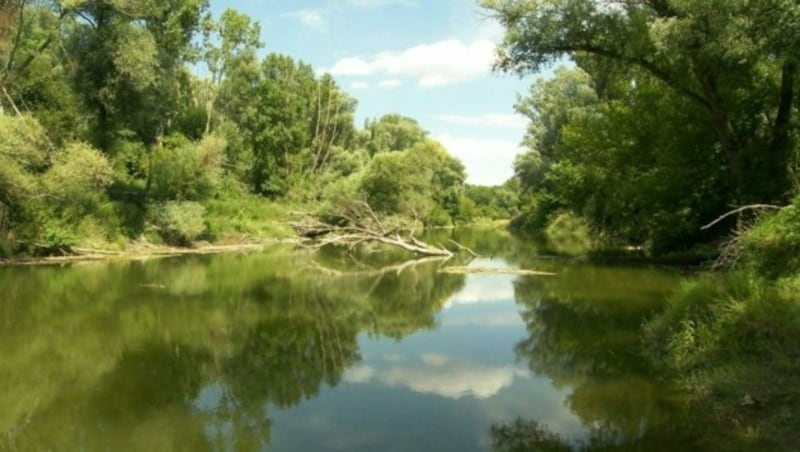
288, 351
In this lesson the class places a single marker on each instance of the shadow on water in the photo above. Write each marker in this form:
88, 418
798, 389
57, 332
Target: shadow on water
584, 334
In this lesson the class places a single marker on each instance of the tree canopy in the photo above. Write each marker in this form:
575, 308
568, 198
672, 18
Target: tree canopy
125, 120
674, 109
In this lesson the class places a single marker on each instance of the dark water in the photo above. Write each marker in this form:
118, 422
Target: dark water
287, 351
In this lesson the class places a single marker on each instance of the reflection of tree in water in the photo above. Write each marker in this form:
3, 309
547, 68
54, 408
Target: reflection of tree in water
488, 242
584, 332
193, 365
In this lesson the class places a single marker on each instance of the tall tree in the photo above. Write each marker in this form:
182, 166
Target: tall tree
130, 59
734, 59
227, 43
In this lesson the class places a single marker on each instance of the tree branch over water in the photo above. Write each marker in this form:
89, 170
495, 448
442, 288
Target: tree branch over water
356, 223
740, 210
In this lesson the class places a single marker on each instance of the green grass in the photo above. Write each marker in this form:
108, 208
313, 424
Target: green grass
249, 217
732, 342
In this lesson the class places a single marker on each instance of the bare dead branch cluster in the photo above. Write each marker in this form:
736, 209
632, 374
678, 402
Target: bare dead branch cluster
357, 223
730, 252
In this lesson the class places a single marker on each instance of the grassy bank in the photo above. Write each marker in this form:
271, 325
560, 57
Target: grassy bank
731, 340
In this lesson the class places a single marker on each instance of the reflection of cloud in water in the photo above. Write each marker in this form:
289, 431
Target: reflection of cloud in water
489, 320
484, 289
358, 374
440, 375
393, 357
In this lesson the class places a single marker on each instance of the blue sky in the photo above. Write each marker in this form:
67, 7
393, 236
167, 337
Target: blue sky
427, 59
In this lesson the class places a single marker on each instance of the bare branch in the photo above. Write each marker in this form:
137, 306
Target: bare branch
740, 210
464, 248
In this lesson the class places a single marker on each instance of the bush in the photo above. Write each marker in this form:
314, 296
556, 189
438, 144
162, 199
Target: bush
186, 171
535, 213
731, 342
79, 175
772, 247
180, 222
438, 218
569, 234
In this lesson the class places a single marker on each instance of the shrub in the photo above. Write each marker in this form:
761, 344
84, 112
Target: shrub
79, 175
568, 234
535, 213
772, 247
186, 171
180, 222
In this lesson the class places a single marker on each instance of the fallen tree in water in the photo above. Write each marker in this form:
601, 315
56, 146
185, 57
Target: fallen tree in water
356, 223
493, 271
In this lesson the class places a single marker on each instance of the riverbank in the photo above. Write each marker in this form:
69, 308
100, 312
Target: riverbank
729, 339
142, 251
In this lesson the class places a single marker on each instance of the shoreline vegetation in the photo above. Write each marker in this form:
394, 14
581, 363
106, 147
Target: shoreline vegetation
139, 252
669, 115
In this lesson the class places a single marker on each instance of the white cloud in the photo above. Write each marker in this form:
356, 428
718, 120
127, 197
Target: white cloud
501, 120
352, 66
488, 162
359, 85
391, 83
434, 64
312, 18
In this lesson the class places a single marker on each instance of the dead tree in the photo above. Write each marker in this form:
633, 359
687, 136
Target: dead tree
356, 223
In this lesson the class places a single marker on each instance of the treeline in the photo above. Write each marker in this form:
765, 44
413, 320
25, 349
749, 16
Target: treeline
671, 113
126, 120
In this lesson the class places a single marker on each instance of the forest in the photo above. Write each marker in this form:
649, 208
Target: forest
676, 127
154, 121
667, 127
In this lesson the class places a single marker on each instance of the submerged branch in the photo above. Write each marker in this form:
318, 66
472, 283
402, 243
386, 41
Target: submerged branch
396, 268
464, 248
493, 271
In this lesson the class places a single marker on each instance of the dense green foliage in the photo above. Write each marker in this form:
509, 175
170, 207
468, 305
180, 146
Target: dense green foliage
731, 340
672, 111
108, 134
670, 114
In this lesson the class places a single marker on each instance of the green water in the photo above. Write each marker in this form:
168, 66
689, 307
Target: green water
288, 351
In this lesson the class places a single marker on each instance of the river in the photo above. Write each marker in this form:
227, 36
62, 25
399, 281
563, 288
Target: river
289, 351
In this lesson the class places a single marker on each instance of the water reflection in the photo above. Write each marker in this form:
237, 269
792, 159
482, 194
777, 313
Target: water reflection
584, 333
188, 354
291, 351
441, 375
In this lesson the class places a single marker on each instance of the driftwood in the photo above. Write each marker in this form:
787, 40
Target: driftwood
493, 271
357, 223
397, 269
